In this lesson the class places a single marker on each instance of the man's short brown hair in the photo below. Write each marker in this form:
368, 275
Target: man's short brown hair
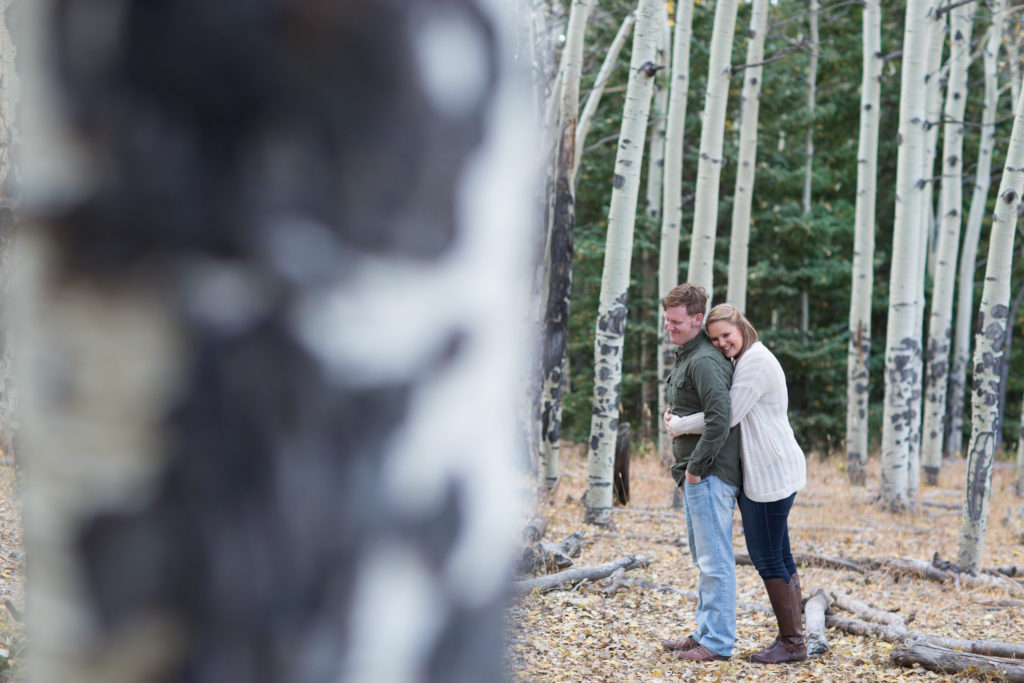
692, 296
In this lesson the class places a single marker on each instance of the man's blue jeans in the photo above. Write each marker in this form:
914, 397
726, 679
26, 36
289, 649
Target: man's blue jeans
766, 528
709, 507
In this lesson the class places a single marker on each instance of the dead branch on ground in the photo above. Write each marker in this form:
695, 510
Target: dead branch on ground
945, 660
571, 577
814, 613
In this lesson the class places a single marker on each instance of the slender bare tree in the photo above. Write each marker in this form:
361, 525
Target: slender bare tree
672, 201
940, 324
559, 251
903, 335
750, 100
859, 348
972, 230
712, 132
989, 347
610, 329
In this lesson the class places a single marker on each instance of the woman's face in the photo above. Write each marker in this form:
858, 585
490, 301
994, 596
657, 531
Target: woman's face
726, 337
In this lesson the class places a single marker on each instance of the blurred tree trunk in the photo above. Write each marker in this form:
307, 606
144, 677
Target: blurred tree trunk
903, 336
940, 324
712, 132
251, 347
989, 341
750, 101
561, 219
972, 231
9, 192
812, 89
610, 328
859, 350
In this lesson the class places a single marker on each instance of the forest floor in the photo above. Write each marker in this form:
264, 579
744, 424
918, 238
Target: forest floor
584, 635
12, 572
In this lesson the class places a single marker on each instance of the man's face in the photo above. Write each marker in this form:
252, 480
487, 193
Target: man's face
681, 326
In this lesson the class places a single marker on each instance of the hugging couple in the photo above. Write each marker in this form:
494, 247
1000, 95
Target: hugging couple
732, 441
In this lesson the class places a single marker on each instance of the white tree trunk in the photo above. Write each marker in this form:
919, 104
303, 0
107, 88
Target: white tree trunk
611, 60
859, 348
658, 123
558, 257
903, 336
989, 343
709, 167
610, 329
812, 88
672, 201
972, 231
228, 455
940, 324
750, 100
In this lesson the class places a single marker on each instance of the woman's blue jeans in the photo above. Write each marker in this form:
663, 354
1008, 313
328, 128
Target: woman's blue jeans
709, 509
766, 528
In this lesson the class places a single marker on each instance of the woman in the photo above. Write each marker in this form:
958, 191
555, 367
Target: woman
773, 470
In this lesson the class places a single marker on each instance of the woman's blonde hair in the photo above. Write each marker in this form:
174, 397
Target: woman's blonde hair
730, 314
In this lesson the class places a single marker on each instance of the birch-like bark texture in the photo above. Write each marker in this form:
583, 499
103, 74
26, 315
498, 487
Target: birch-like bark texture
248, 371
925, 214
712, 132
972, 231
750, 101
940, 323
650, 388
9, 192
559, 251
609, 333
672, 201
813, 44
903, 337
611, 61
859, 347
989, 342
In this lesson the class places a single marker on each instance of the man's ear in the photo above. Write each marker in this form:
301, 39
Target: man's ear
700, 319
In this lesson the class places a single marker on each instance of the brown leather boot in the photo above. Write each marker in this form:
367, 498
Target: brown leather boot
786, 603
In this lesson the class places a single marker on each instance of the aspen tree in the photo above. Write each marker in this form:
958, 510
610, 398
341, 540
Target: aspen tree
903, 338
972, 230
859, 348
750, 98
940, 324
812, 89
672, 201
989, 347
925, 214
611, 60
558, 257
610, 328
712, 132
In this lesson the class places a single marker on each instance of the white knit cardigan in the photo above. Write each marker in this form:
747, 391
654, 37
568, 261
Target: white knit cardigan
773, 462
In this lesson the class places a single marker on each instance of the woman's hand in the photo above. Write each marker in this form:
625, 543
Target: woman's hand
668, 423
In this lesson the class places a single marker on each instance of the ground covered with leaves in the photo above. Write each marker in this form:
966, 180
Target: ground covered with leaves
12, 572
585, 634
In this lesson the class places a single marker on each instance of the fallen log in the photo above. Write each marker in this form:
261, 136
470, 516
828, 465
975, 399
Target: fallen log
895, 634
944, 660
571, 577
534, 529
866, 611
806, 560
549, 557
814, 613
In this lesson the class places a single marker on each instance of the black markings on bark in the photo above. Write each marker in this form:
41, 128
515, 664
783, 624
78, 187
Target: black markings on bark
618, 181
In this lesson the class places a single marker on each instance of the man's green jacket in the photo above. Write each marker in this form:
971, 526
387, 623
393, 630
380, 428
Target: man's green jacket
699, 382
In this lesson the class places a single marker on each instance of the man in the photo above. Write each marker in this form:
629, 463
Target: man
707, 467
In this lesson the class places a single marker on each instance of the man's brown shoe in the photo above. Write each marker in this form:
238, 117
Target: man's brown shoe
700, 654
687, 643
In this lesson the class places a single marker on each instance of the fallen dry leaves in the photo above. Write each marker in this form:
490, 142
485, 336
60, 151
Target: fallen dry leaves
583, 635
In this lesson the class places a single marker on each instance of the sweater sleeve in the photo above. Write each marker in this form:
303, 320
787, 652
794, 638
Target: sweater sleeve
711, 380
747, 387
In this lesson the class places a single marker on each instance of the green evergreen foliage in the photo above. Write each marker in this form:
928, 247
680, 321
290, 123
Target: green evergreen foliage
790, 252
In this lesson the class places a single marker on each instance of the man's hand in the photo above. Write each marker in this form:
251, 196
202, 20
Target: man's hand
692, 478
